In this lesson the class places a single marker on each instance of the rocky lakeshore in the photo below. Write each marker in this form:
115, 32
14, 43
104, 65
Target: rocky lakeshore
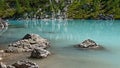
28, 43
31, 45
20, 64
90, 37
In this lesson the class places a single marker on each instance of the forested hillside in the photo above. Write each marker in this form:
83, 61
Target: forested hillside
75, 9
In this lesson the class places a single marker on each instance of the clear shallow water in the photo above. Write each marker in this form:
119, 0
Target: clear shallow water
63, 34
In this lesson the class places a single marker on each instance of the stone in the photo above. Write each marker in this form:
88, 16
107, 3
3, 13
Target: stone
1, 54
105, 17
28, 43
25, 64
89, 44
27, 36
14, 49
2, 65
1, 58
39, 53
10, 66
20, 64
3, 24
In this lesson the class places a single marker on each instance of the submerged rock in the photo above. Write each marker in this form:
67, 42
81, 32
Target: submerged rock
28, 43
89, 44
39, 53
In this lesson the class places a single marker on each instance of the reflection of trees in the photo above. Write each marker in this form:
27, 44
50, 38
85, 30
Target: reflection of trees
88, 29
3, 30
71, 29
46, 25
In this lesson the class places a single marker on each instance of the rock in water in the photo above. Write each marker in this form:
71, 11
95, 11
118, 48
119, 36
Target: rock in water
89, 44
25, 64
36, 39
27, 36
39, 53
28, 43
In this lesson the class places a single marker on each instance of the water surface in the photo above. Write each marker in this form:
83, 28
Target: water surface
63, 34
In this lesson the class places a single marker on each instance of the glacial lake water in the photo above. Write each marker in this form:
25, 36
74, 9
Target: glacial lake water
63, 34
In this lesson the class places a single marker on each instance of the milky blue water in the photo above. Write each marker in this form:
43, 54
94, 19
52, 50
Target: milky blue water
63, 34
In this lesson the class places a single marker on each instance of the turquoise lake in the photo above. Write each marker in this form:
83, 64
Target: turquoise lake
63, 34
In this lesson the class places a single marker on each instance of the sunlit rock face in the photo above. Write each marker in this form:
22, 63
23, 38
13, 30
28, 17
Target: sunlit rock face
28, 43
89, 44
105, 17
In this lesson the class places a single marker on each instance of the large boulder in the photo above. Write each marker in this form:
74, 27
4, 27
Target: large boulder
28, 43
39, 53
89, 44
36, 39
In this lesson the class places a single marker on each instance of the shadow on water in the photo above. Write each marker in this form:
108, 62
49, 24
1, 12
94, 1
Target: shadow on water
50, 32
3, 30
5, 41
17, 26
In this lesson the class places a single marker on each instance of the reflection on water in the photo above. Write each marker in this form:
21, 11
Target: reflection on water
65, 30
63, 34
3, 30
